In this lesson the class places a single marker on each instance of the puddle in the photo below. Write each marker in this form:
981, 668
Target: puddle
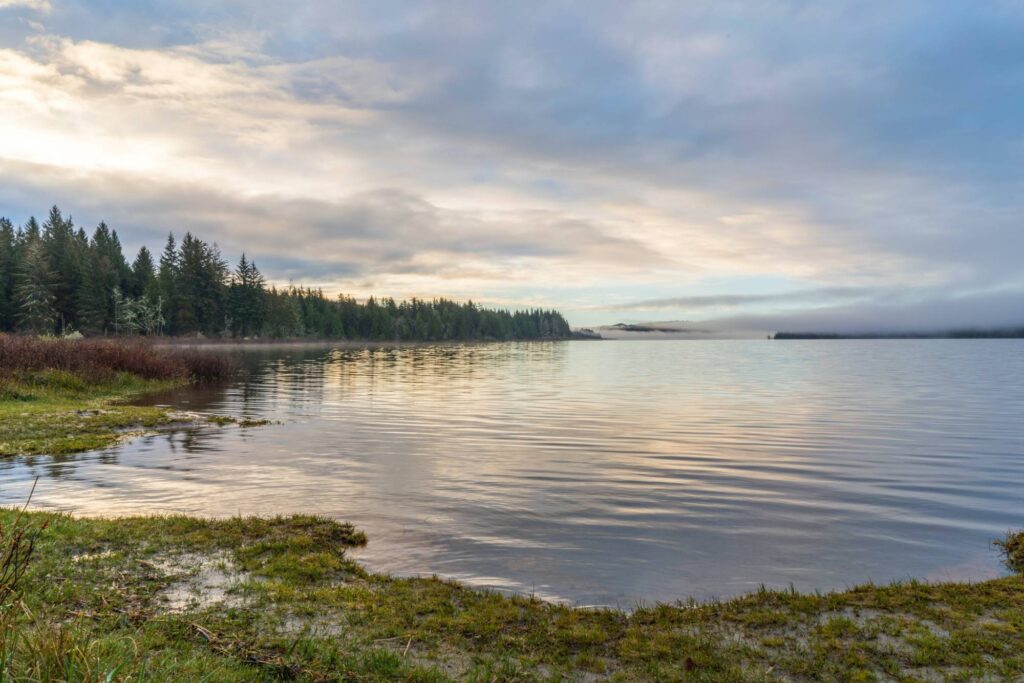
201, 581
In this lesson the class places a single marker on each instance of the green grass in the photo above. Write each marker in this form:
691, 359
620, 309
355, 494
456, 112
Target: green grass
54, 412
279, 599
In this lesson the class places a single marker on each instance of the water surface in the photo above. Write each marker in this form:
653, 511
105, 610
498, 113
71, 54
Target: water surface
603, 472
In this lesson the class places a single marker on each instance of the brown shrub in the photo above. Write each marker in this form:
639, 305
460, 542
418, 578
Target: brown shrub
98, 359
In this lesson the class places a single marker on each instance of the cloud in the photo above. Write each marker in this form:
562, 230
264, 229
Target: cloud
37, 5
625, 151
937, 313
807, 296
382, 233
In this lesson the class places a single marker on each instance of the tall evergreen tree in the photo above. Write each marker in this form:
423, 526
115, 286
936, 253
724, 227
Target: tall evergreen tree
8, 275
202, 275
144, 275
167, 284
246, 304
31, 231
66, 258
34, 291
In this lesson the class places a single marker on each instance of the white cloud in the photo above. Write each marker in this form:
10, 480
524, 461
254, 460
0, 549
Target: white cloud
38, 5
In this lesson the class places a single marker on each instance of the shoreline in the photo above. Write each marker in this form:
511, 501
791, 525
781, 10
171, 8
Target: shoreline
229, 344
247, 598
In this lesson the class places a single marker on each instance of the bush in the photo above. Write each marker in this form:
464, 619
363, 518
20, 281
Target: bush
102, 359
1012, 548
17, 541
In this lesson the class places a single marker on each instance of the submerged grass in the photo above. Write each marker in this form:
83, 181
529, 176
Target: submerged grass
95, 606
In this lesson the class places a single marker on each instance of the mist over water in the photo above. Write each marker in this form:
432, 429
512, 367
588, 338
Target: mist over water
603, 472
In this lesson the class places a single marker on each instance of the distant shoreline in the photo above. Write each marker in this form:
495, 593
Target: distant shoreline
955, 334
192, 342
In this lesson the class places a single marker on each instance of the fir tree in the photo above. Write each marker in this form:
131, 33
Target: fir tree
34, 292
103, 273
167, 284
8, 275
246, 304
65, 256
144, 275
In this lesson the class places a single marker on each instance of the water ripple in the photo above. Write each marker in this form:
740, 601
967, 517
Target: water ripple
603, 473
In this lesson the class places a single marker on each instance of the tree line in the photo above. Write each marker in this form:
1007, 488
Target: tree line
56, 279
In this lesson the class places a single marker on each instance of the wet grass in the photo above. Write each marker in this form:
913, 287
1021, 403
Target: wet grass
96, 606
62, 396
55, 411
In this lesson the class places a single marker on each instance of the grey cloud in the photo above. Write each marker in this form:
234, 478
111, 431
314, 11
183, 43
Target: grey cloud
385, 231
982, 310
807, 296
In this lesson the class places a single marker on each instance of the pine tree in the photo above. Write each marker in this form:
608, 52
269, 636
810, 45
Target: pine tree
34, 291
202, 276
246, 304
143, 274
8, 275
167, 285
103, 273
31, 231
65, 258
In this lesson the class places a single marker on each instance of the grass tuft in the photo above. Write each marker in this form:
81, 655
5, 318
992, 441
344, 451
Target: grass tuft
1012, 548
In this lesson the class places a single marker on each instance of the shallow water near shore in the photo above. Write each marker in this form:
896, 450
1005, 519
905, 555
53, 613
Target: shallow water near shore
604, 473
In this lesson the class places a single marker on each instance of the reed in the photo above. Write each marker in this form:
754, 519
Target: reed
17, 544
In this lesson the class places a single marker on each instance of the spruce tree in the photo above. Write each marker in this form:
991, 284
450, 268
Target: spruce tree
246, 299
34, 291
65, 258
143, 275
8, 275
167, 284
102, 275
201, 283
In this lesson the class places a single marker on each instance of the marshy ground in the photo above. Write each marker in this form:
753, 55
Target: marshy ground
62, 396
176, 598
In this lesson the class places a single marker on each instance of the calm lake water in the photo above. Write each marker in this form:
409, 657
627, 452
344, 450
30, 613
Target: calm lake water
604, 472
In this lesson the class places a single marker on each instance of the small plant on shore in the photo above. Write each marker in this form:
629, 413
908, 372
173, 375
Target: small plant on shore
1012, 548
17, 543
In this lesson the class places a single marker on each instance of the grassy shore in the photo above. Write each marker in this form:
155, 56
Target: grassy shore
55, 412
62, 396
176, 598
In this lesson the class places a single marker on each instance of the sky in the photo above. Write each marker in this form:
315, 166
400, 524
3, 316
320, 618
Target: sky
757, 165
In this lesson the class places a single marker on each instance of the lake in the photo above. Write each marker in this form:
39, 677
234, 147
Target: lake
602, 473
